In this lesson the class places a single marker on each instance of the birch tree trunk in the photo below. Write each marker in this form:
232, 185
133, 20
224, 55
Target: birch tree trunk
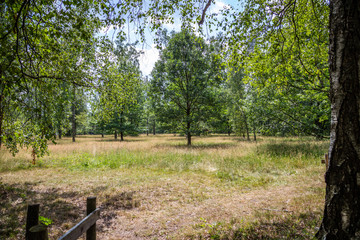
341, 218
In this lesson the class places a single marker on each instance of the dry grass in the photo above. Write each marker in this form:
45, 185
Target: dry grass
154, 187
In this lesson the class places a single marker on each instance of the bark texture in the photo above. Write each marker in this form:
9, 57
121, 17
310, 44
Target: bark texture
341, 218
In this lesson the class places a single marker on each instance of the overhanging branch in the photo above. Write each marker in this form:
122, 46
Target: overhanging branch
204, 12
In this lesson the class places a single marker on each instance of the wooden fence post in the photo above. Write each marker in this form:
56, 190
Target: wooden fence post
90, 207
32, 218
38, 232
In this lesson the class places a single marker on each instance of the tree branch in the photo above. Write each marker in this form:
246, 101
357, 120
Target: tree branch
204, 12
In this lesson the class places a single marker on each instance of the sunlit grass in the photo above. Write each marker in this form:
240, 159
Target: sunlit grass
228, 158
220, 186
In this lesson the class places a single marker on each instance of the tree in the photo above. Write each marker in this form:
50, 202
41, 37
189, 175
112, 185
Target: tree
184, 79
119, 90
43, 44
342, 201
285, 61
341, 213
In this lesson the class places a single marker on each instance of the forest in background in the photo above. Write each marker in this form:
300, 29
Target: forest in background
60, 77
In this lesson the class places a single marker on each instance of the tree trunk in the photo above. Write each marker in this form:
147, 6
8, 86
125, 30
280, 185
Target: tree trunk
154, 128
254, 134
1, 116
73, 118
246, 127
188, 138
115, 135
60, 132
147, 126
0, 132
2, 107
102, 135
121, 126
188, 125
341, 218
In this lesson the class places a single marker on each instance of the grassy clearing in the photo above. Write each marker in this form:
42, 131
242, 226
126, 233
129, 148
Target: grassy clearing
220, 188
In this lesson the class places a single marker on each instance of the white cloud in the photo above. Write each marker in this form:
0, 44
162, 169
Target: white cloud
147, 59
218, 6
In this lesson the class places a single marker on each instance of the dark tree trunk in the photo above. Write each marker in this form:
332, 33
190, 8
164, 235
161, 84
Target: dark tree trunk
121, 126
1, 109
0, 131
60, 132
102, 135
154, 128
73, 118
189, 138
188, 125
254, 134
246, 127
1, 115
147, 127
341, 218
115, 135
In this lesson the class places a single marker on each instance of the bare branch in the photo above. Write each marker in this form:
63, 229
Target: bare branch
204, 12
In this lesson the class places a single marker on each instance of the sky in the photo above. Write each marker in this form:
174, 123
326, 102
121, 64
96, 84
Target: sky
150, 53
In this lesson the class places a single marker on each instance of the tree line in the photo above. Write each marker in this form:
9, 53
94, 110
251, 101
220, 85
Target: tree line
192, 90
75, 82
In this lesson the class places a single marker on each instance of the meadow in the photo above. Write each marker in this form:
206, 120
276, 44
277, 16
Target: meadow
155, 187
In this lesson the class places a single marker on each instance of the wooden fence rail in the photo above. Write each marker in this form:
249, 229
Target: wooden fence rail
34, 231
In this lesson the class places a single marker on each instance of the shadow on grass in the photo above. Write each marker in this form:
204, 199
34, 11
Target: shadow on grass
200, 146
301, 226
179, 138
285, 149
64, 209
117, 140
288, 226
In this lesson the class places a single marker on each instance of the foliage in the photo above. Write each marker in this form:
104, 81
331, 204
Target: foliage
282, 48
277, 48
45, 221
119, 93
44, 45
184, 81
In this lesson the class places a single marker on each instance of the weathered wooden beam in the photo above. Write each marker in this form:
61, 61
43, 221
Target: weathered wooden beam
82, 226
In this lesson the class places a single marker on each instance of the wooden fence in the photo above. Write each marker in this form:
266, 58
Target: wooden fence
36, 231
